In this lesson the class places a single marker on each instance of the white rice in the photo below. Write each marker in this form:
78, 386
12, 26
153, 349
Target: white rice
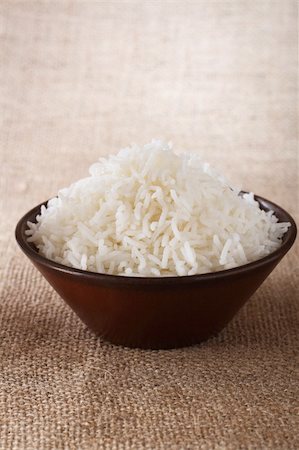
150, 212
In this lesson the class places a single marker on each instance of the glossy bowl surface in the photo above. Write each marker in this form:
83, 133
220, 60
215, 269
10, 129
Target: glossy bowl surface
158, 312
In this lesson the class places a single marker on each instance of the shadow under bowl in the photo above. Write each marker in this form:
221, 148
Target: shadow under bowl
157, 312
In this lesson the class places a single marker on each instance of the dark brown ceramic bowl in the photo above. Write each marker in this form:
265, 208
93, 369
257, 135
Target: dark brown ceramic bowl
156, 313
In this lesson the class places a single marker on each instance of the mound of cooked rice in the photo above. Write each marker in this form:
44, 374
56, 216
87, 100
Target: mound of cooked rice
150, 212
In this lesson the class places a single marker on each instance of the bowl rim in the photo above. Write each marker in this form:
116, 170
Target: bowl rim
288, 240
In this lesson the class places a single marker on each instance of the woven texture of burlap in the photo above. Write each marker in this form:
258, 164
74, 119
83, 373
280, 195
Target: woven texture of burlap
80, 80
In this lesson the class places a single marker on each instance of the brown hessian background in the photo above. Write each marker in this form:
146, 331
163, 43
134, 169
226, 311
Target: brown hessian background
80, 80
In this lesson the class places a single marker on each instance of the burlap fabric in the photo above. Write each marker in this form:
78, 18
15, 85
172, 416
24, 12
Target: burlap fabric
79, 80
